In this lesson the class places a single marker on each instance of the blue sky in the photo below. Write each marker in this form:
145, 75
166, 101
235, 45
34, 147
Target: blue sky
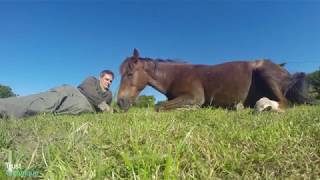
46, 43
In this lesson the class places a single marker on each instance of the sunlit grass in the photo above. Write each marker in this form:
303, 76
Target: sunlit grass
143, 144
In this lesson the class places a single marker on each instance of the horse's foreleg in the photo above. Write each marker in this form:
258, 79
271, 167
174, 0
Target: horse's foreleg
183, 101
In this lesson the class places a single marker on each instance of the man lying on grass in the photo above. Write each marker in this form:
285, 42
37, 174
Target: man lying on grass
90, 96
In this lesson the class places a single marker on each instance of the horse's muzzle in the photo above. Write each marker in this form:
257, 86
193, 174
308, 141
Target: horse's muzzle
124, 104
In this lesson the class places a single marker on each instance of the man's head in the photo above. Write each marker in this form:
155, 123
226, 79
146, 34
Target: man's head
106, 78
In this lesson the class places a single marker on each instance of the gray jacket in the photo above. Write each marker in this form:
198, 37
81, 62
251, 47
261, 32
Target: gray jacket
92, 90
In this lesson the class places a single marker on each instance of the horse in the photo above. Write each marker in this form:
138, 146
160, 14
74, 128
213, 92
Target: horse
223, 85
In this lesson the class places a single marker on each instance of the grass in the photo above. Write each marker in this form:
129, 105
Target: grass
143, 144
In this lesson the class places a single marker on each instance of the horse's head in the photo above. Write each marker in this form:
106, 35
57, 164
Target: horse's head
134, 79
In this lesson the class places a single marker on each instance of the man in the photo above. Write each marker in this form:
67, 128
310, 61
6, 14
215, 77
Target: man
91, 95
97, 91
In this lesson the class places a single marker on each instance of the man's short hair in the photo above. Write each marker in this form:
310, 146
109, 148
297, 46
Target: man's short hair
106, 72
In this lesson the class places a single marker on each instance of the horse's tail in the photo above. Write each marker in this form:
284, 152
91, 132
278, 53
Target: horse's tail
297, 91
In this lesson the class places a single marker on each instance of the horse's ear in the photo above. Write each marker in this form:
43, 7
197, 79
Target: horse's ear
135, 53
135, 56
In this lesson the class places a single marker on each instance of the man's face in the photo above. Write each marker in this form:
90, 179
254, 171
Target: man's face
106, 81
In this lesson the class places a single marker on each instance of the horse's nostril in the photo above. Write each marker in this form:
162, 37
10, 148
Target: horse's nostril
123, 104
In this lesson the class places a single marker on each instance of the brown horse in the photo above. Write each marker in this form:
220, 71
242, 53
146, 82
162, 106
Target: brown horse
223, 85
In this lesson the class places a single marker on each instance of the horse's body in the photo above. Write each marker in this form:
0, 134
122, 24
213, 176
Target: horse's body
222, 85
217, 85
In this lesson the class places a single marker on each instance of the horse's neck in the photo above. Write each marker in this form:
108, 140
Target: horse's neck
162, 77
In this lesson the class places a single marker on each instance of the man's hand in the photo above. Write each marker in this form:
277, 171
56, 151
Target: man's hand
104, 107
109, 109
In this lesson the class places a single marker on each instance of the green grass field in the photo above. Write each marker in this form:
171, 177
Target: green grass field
143, 144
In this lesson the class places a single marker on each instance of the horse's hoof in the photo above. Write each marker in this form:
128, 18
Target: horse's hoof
239, 107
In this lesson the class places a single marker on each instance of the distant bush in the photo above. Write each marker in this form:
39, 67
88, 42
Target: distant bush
314, 79
144, 101
6, 91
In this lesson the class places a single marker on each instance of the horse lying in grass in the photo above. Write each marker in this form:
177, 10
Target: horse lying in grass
223, 85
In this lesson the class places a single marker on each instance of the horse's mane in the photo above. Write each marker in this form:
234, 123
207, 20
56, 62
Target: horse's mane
162, 60
125, 65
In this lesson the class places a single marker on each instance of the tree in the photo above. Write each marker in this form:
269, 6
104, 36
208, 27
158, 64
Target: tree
314, 80
145, 101
6, 91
